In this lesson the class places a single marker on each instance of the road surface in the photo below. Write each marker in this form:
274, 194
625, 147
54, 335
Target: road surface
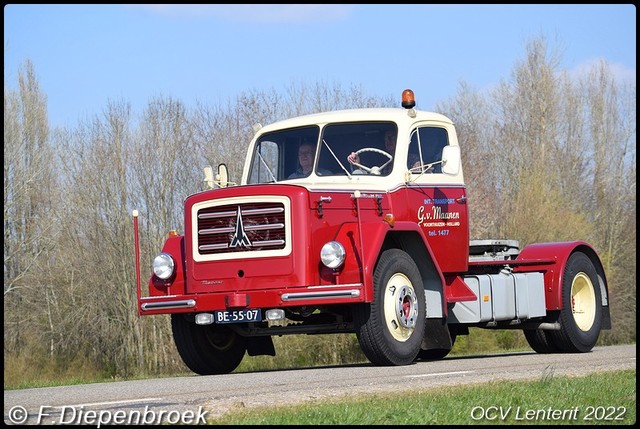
191, 399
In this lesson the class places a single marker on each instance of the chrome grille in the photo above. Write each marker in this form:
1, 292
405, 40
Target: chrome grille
260, 226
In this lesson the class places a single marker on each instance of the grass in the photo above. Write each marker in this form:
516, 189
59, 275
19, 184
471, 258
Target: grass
600, 398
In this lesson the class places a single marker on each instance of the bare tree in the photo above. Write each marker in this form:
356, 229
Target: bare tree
164, 167
611, 127
29, 235
470, 111
558, 163
26, 174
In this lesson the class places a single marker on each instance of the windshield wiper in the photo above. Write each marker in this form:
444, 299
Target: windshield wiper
336, 158
423, 168
267, 167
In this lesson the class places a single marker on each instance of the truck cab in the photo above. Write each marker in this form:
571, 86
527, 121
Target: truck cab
417, 178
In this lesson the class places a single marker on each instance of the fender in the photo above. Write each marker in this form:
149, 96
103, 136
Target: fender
372, 241
412, 239
560, 252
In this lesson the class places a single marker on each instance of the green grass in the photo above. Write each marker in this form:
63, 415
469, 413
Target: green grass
600, 398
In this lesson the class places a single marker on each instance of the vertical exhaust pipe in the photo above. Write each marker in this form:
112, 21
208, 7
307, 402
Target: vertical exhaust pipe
137, 246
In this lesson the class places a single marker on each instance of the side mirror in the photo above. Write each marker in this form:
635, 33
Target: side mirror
451, 160
222, 178
208, 176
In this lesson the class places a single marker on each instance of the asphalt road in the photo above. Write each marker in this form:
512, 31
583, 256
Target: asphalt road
190, 399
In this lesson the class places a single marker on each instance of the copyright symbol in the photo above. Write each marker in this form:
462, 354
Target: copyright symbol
18, 415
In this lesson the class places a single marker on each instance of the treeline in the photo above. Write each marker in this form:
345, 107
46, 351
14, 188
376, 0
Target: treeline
547, 157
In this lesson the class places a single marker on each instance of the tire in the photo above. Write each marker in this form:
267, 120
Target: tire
436, 354
581, 313
207, 349
540, 341
390, 328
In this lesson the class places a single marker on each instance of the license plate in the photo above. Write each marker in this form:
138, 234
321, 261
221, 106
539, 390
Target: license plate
238, 316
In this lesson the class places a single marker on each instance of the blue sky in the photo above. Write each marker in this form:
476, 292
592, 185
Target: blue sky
87, 55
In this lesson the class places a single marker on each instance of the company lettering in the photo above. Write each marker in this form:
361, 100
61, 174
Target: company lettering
425, 219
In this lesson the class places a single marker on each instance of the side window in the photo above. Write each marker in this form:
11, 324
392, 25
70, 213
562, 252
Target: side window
265, 167
425, 149
276, 155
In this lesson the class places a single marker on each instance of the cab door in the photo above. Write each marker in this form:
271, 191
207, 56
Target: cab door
438, 199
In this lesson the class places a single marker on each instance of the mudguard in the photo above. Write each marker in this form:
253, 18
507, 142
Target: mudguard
371, 245
553, 273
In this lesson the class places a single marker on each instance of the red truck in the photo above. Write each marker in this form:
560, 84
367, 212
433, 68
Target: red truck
356, 221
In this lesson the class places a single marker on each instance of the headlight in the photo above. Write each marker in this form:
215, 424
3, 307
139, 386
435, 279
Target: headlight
163, 266
332, 254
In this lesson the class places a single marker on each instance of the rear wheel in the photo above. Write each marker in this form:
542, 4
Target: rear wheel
540, 341
581, 314
390, 329
207, 349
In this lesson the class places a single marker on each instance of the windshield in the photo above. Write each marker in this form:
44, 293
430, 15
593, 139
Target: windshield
303, 152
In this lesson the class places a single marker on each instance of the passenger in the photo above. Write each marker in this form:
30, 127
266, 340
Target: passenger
306, 154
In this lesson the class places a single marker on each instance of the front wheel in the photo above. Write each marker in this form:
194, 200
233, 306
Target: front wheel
207, 349
390, 329
581, 314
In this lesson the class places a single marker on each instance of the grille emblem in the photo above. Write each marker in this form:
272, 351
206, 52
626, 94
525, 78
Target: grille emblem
240, 238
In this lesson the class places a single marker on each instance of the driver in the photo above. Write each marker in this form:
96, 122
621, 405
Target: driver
390, 138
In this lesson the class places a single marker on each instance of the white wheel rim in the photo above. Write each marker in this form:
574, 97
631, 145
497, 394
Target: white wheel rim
583, 301
400, 307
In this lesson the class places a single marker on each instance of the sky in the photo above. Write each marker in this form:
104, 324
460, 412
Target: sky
85, 56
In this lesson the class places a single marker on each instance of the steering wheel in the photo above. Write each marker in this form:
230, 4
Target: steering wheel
375, 170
